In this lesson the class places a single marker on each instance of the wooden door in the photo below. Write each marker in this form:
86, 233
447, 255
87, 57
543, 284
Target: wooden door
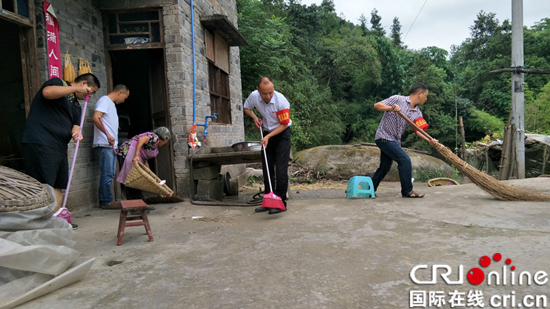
160, 114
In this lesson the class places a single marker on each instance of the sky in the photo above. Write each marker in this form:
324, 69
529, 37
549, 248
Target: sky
440, 23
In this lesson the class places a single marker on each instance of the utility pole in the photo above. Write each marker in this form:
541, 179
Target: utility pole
518, 98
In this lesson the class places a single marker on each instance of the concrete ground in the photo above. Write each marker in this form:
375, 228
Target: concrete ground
324, 252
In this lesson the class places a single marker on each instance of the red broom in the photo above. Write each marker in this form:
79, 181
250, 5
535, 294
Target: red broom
270, 200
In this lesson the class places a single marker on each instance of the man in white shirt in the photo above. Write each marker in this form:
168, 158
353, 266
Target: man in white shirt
103, 145
275, 111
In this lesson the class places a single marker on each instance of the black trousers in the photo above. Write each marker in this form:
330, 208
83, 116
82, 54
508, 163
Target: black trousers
278, 153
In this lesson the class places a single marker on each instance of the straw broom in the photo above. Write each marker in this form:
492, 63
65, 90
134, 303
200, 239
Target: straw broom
494, 187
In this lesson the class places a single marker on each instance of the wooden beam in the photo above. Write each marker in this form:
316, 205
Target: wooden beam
219, 24
521, 70
10, 16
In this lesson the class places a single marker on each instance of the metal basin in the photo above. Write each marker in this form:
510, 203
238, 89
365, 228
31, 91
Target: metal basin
247, 146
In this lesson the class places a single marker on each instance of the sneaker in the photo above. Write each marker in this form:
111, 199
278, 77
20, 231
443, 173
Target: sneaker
261, 209
75, 226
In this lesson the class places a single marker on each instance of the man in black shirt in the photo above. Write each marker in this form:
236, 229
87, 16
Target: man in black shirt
54, 119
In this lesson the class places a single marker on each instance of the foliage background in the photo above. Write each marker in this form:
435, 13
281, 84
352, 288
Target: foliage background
333, 71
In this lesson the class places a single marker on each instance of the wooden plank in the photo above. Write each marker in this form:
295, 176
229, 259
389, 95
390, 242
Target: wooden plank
134, 4
221, 53
521, 70
10, 16
140, 46
209, 42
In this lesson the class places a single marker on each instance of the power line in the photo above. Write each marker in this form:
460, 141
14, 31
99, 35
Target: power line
415, 20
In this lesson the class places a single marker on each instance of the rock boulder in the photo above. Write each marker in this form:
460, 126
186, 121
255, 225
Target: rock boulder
344, 161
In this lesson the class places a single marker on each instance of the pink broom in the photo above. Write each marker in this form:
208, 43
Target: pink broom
63, 212
270, 200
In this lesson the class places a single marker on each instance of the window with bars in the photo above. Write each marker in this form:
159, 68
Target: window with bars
141, 28
220, 100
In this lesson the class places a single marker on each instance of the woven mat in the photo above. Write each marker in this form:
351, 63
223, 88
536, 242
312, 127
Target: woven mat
21, 192
141, 177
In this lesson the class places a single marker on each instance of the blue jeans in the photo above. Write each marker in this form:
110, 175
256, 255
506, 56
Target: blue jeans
391, 151
107, 165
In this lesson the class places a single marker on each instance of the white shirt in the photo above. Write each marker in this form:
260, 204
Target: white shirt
268, 110
110, 122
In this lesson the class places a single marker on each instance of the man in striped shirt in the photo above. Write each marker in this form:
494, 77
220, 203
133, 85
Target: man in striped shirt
388, 135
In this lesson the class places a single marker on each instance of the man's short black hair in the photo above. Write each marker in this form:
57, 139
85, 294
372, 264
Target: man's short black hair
90, 78
120, 87
418, 87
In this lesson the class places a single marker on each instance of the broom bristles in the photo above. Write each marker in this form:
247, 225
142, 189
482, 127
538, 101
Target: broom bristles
489, 184
272, 201
494, 187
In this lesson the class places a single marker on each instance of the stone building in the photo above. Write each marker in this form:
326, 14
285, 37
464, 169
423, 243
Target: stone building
144, 44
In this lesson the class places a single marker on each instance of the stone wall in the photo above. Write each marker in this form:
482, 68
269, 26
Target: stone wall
179, 55
81, 34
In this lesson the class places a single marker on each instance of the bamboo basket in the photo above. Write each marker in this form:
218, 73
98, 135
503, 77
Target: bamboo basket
21, 192
441, 181
141, 177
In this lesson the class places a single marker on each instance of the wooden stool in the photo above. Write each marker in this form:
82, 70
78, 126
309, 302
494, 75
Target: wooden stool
138, 205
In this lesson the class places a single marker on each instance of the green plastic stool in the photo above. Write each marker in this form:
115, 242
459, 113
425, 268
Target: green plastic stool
360, 186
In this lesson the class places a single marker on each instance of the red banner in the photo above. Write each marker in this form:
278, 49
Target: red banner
55, 68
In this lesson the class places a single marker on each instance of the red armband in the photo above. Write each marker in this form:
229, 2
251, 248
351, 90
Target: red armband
283, 116
421, 123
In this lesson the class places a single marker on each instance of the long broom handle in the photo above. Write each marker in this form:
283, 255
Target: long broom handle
414, 125
266, 164
75, 151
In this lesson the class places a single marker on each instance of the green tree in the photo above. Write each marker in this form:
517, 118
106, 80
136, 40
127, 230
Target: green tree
396, 33
271, 53
482, 122
348, 56
537, 112
333, 71
363, 24
268, 40
488, 49
376, 24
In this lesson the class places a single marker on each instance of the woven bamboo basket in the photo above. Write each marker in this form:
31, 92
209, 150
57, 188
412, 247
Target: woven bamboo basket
442, 181
21, 192
141, 177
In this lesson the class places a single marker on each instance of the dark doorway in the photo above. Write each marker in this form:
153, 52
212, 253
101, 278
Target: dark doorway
12, 97
143, 72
